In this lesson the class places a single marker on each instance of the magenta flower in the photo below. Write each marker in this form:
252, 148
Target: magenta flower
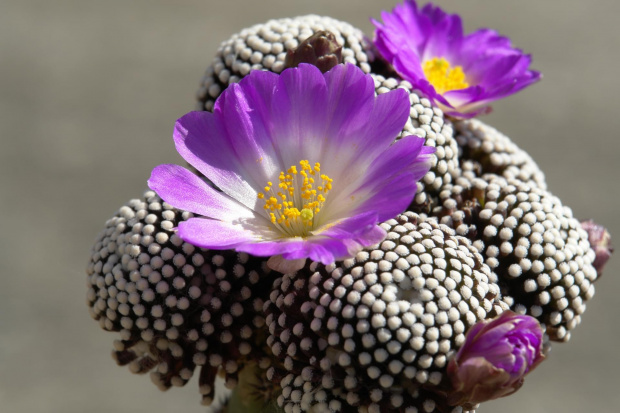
600, 242
497, 354
461, 74
306, 164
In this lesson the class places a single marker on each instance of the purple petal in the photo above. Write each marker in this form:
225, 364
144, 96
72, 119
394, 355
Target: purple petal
292, 249
272, 247
233, 146
184, 190
298, 114
339, 241
409, 65
446, 29
351, 227
245, 112
479, 45
351, 95
392, 177
330, 250
202, 142
213, 234
349, 154
387, 119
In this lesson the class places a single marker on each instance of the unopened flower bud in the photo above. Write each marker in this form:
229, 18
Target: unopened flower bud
496, 356
600, 241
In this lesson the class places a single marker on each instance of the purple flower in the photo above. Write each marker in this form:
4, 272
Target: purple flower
497, 354
600, 242
306, 164
461, 74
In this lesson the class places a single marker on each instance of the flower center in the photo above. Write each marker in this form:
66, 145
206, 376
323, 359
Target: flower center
294, 205
443, 77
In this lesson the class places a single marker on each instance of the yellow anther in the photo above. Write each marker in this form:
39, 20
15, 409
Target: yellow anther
444, 77
296, 220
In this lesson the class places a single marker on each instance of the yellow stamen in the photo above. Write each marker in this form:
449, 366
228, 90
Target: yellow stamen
443, 77
295, 207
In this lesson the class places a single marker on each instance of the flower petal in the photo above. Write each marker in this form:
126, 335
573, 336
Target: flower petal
446, 28
201, 140
298, 114
389, 184
233, 146
339, 241
244, 112
184, 190
351, 97
213, 234
354, 150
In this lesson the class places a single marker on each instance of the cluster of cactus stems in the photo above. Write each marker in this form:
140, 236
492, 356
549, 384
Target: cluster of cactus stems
482, 247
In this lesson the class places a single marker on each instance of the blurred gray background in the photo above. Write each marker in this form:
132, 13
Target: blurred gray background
89, 92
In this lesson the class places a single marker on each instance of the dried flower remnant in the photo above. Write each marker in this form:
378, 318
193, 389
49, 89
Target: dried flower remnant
305, 160
321, 50
265, 46
495, 358
600, 241
460, 73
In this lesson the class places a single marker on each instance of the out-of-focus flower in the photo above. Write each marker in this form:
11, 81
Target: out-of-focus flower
600, 241
494, 359
305, 161
461, 73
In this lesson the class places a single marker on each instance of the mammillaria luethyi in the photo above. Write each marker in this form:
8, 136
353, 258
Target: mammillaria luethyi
482, 247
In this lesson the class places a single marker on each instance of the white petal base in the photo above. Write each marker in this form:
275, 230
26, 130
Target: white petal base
277, 263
